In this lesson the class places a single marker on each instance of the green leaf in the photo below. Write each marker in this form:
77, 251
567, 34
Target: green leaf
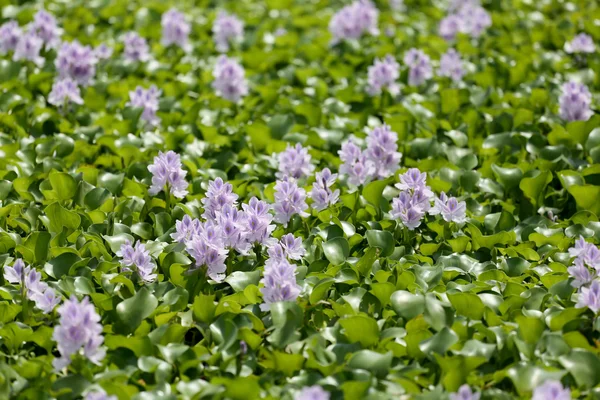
63, 184
583, 366
467, 304
362, 329
383, 240
336, 250
61, 218
134, 310
408, 305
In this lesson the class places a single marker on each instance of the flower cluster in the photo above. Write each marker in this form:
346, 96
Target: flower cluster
45, 27
584, 270
465, 393
551, 390
294, 162
28, 48
575, 101
45, 297
321, 194
79, 331
175, 29
451, 65
227, 28
384, 74
289, 200
64, 91
10, 33
148, 100
230, 81
76, 62
354, 20
166, 170
218, 195
312, 393
103, 52
136, 47
466, 17
419, 65
449, 208
139, 257
355, 164
279, 277
582, 43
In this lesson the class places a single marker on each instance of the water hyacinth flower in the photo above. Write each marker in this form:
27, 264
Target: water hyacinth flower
414, 180
208, 249
77, 62
354, 20
356, 166
28, 48
103, 52
312, 393
292, 247
232, 223
404, 210
10, 33
45, 27
258, 221
99, 395
185, 229
79, 331
590, 297
382, 151
582, 43
419, 65
175, 29
289, 200
449, 27
383, 74
466, 17
166, 171
414, 199
575, 102
321, 193
45, 297
465, 393
139, 257
551, 390
227, 28
451, 66
218, 195
230, 81
136, 47
450, 208
64, 91
279, 280
294, 162
581, 274
148, 100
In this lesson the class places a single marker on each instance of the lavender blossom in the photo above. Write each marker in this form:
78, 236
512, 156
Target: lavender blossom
581, 43
294, 162
227, 28
581, 273
474, 20
10, 33
45, 298
312, 393
419, 65
451, 66
99, 395
45, 27
217, 196
356, 165
382, 151
581, 248
103, 52
16, 274
289, 200
230, 82
404, 211
292, 247
590, 297
384, 74
321, 194
575, 102
258, 221
354, 20
136, 47
28, 48
64, 91
450, 208
208, 248
465, 393
79, 331
166, 170
76, 62
279, 282
137, 256
185, 229
175, 29
450, 27
232, 223
414, 180
551, 390
148, 100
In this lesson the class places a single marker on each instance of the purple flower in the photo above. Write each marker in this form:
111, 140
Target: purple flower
175, 29
451, 65
581, 247
465, 393
138, 257
79, 330
166, 170
581, 273
382, 151
99, 395
294, 162
136, 47
414, 180
384, 74
227, 28
575, 102
76, 62
258, 221
289, 200
355, 165
64, 91
551, 390
354, 20
230, 82
450, 26
28, 48
321, 194
312, 393
419, 67
10, 33
103, 52
148, 100
474, 20
185, 229
450, 208
16, 274
232, 223
581, 43
208, 248
217, 196
409, 216
279, 280
590, 297
46, 300
45, 27
292, 247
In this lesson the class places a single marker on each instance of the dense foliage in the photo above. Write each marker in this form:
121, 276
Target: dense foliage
299, 199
